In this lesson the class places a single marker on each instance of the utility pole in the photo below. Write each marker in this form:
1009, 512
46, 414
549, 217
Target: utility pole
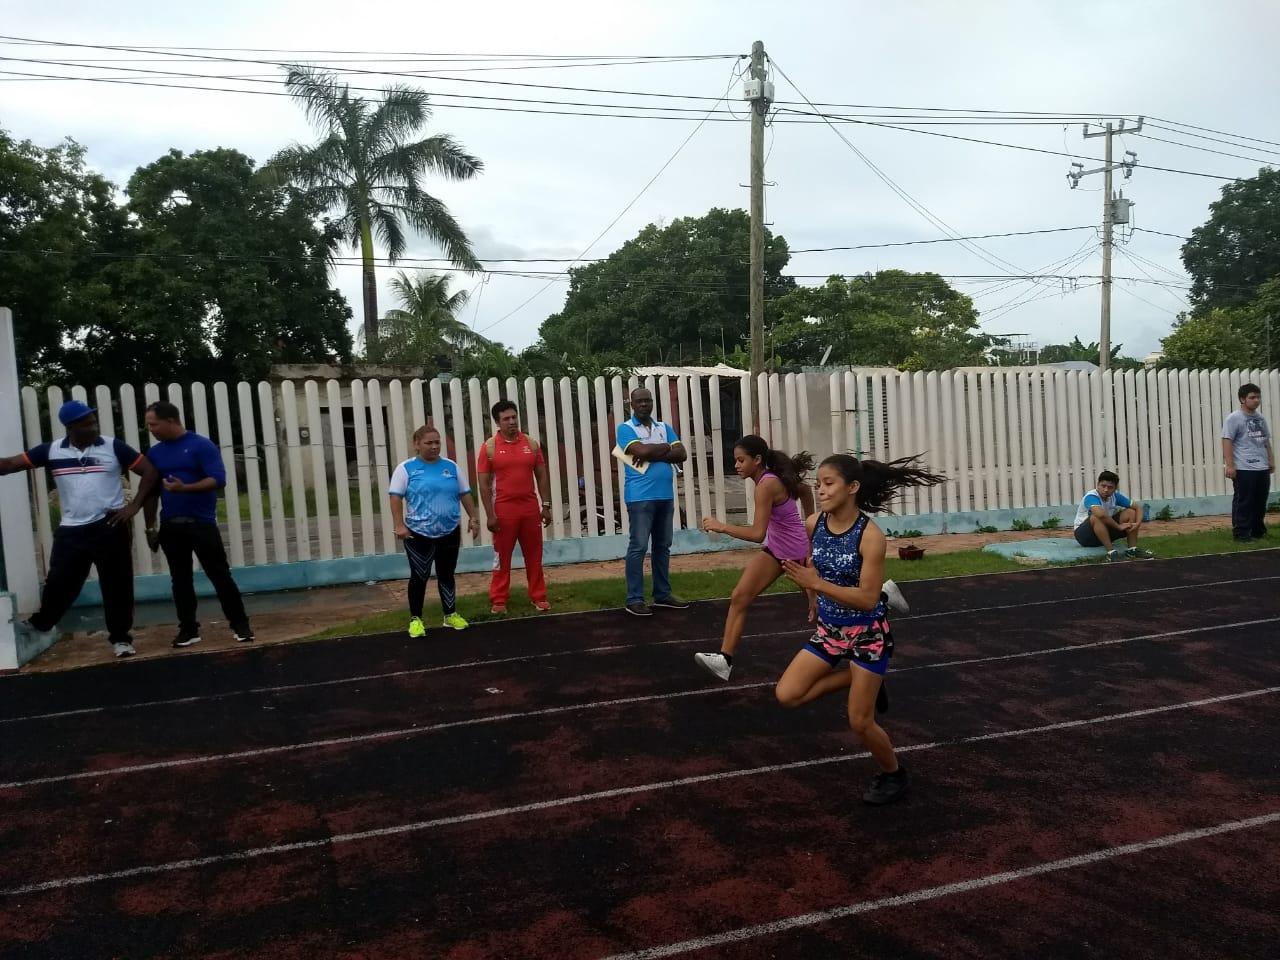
1114, 210
760, 92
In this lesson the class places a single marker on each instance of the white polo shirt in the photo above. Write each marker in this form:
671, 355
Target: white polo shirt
88, 480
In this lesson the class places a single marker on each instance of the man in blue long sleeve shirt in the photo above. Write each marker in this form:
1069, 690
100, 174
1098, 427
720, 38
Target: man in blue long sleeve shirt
191, 473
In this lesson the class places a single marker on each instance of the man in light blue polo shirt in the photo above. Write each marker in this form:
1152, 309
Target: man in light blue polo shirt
94, 528
649, 494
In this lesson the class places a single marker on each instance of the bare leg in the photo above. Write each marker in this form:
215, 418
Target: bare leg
1131, 522
862, 717
809, 677
759, 573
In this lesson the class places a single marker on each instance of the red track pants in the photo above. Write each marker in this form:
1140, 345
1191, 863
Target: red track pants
526, 528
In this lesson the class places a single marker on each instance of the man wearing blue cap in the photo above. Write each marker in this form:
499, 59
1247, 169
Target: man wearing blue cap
94, 530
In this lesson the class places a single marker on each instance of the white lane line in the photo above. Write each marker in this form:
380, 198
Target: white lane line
421, 825
946, 890
413, 731
611, 648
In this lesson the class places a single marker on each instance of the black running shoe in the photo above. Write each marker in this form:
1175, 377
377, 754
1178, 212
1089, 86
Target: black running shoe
887, 787
186, 638
671, 602
243, 632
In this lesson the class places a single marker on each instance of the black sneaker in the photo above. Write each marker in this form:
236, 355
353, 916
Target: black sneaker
186, 638
638, 608
671, 603
243, 632
887, 787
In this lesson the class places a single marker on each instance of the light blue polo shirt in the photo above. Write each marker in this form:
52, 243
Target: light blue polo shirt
430, 492
656, 483
88, 480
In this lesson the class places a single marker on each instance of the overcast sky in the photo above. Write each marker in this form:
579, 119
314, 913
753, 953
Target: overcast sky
552, 183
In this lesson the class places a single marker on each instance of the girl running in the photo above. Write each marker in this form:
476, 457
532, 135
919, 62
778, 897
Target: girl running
428, 495
781, 493
847, 576
783, 498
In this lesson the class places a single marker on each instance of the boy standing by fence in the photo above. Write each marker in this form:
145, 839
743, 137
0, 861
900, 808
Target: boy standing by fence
1249, 462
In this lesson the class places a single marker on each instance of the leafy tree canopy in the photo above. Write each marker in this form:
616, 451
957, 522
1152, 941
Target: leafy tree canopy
1216, 339
207, 271
670, 292
1237, 249
913, 321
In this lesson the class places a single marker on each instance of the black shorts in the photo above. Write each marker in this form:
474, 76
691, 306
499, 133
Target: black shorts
1085, 535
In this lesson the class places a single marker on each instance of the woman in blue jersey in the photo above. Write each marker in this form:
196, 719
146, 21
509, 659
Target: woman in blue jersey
428, 494
852, 644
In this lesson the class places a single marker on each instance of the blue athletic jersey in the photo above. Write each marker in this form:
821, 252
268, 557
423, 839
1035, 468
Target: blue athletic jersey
430, 492
838, 560
656, 483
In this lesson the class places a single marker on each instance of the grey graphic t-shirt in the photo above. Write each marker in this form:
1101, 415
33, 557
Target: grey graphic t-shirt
1248, 433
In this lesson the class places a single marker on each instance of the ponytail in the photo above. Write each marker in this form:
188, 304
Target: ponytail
789, 470
879, 483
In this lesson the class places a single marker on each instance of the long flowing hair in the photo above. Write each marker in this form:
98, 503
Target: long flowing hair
879, 483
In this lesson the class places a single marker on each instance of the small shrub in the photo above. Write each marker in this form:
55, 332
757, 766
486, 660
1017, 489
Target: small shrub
1189, 514
982, 529
1021, 524
1166, 513
1053, 523
911, 534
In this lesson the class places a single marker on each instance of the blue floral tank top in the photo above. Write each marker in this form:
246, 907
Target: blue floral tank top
837, 559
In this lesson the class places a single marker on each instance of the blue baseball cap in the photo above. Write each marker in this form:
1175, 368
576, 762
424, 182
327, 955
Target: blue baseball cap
74, 410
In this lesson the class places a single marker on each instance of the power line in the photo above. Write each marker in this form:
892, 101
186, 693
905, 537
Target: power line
1193, 146
1160, 233
998, 143
920, 208
585, 250
1223, 133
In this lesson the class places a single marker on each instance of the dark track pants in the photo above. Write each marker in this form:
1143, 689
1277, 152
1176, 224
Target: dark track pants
75, 550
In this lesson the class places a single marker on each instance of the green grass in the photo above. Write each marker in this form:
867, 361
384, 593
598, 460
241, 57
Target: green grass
710, 584
286, 496
696, 585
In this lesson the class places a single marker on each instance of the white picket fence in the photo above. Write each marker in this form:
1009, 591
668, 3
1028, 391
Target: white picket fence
1005, 438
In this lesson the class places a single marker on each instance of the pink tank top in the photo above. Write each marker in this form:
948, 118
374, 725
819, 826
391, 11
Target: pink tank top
785, 536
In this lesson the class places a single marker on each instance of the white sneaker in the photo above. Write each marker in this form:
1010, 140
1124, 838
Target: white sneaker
123, 649
897, 602
714, 663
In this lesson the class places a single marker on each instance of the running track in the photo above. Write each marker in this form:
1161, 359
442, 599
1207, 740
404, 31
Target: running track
1093, 750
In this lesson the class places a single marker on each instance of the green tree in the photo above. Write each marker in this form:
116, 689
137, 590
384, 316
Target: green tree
245, 259
1075, 350
913, 321
669, 293
425, 330
59, 226
369, 168
1218, 338
1238, 248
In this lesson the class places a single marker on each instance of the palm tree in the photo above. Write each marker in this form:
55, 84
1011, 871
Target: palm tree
369, 167
427, 326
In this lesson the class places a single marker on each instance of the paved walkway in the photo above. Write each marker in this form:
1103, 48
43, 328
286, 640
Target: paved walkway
291, 617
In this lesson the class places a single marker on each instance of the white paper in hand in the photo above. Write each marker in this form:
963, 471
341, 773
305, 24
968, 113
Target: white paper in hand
623, 457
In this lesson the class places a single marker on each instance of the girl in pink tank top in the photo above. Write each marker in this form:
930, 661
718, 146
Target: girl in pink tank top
782, 501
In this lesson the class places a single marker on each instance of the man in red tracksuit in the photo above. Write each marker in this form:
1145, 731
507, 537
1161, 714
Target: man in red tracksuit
508, 464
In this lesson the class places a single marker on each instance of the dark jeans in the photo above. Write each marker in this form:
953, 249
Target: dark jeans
180, 539
649, 520
1249, 504
75, 550
443, 553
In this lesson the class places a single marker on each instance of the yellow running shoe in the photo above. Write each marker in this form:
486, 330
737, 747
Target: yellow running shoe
455, 620
417, 628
